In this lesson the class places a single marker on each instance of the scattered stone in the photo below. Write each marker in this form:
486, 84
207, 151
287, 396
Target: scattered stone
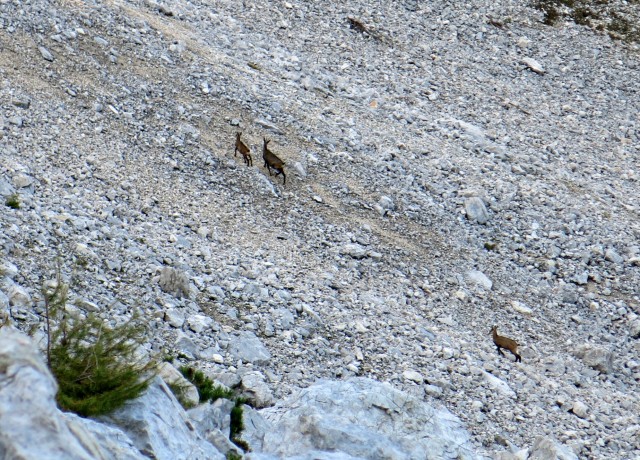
521, 308
545, 448
174, 282
247, 347
534, 65
476, 210
580, 409
354, 250
45, 53
199, 323
19, 296
413, 376
255, 388
175, 317
479, 279
596, 357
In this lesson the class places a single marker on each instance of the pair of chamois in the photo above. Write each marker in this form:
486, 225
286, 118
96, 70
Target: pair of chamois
270, 158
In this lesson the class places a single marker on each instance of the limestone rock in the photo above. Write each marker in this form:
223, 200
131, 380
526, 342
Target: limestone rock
362, 418
254, 386
479, 279
580, 409
160, 428
19, 296
174, 317
213, 422
32, 425
174, 377
499, 385
199, 323
174, 282
596, 357
545, 448
247, 347
114, 443
476, 210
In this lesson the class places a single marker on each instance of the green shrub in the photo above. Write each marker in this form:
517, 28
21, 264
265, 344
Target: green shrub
207, 391
13, 201
93, 364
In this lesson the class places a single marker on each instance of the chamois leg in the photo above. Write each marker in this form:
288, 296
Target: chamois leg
499, 351
518, 358
284, 176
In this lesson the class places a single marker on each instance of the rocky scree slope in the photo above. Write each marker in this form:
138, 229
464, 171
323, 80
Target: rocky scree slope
445, 174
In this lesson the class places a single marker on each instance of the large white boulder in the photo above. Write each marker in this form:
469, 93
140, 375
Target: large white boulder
361, 418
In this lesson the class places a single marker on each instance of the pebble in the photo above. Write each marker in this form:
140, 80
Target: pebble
45, 53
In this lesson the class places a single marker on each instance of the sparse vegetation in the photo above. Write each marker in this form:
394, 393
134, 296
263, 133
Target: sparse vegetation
233, 456
93, 364
13, 201
601, 15
179, 391
208, 391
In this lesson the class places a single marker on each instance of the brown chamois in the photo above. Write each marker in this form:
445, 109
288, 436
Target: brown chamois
506, 343
272, 161
244, 150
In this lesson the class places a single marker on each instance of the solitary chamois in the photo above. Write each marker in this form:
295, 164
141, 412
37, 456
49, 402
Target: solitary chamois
272, 161
506, 343
244, 150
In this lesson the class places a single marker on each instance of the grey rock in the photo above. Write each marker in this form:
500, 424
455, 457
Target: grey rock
595, 357
476, 210
214, 416
22, 180
174, 282
479, 279
213, 422
364, 419
612, 256
6, 188
199, 323
175, 317
580, 409
45, 53
8, 269
32, 425
161, 434
19, 296
254, 387
533, 65
354, 250
545, 448
113, 442
173, 377
247, 347
22, 102
497, 384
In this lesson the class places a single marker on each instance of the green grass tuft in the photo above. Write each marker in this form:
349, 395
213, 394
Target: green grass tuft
207, 391
13, 201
